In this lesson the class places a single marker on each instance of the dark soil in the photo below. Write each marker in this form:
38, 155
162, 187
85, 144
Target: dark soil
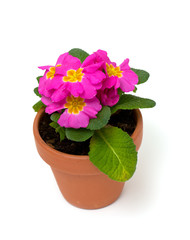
124, 119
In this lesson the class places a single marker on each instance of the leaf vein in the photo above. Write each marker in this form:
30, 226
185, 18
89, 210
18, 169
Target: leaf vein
109, 145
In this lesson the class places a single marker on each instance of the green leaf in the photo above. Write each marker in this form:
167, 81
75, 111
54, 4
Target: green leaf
55, 117
142, 75
79, 53
119, 91
128, 101
102, 119
78, 135
38, 106
38, 78
135, 90
113, 152
59, 130
36, 92
54, 125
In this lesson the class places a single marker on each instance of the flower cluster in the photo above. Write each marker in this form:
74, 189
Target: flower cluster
79, 90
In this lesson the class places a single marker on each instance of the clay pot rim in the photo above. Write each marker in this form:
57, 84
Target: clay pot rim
71, 156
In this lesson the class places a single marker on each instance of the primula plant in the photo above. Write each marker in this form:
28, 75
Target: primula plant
81, 92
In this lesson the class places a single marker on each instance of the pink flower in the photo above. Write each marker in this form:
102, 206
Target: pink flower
78, 112
129, 78
78, 79
117, 76
109, 96
47, 78
52, 107
78, 88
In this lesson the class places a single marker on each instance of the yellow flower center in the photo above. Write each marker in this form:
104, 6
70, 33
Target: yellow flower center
74, 104
51, 72
113, 71
73, 75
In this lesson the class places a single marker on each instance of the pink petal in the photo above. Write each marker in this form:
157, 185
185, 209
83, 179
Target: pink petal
79, 120
59, 94
55, 82
125, 86
73, 120
125, 65
75, 88
109, 97
93, 103
45, 67
42, 88
128, 81
42, 84
93, 68
99, 86
90, 112
54, 107
103, 55
47, 101
110, 82
64, 119
67, 62
73, 62
89, 91
70, 61
132, 76
91, 59
96, 77
61, 58
62, 71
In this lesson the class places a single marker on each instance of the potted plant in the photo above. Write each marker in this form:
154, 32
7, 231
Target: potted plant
88, 127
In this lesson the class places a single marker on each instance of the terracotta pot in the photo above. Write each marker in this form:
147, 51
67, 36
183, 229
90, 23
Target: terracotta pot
80, 182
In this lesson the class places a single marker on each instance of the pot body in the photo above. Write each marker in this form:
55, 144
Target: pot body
80, 182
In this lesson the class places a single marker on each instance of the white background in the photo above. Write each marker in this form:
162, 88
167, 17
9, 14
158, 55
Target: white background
154, 35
